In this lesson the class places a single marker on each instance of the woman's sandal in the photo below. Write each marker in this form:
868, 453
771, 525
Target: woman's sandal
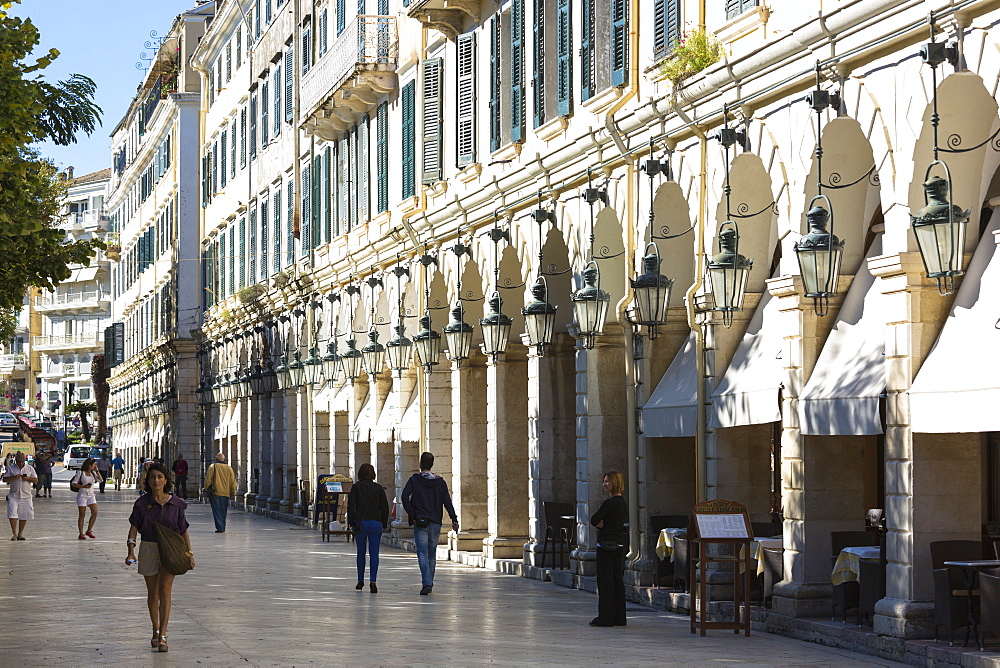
155, 640
163, 644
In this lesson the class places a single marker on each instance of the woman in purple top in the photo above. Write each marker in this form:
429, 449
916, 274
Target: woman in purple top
157, 505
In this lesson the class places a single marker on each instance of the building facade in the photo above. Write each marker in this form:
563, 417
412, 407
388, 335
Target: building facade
391, 189
153, 206
72, 318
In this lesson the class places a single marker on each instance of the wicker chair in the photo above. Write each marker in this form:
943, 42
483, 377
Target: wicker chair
845, 596
951, 593
665, 570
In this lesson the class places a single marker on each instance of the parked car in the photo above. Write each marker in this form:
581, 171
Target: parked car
9, 423
76, 456
98, 450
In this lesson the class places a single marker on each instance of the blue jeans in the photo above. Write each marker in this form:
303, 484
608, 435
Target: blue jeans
220, 506
370, 538
427, 542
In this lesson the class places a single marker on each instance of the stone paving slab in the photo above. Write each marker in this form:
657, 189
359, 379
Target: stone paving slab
269, 594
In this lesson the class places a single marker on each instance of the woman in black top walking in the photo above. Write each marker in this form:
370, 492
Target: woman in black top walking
368, 516
610, 521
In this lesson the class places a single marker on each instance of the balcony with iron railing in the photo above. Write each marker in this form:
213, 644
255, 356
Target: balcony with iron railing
348, 79
450, 17
73, 301
52, 342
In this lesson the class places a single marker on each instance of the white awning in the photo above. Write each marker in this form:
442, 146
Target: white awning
366, 418
748, 393
83, 274
409, 427
841, 397
672, 408
957, 390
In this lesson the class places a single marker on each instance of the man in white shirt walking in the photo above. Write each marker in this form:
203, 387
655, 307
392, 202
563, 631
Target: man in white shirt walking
21, 477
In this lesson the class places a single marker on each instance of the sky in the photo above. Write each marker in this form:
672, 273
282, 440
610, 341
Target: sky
103, 40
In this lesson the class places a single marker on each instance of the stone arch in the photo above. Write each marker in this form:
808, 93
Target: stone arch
672, 217
609, 253
558, 275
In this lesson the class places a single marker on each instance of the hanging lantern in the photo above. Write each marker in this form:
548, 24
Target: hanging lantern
284, 379
313, 367
819, 254
459, 334
331, 362
270, 378
201, 393
729, 272
244, 382
296, 370
496, 328
590, 305
539, 316
651, 291
428, 344
351, 360
940, 231
373, 354
257, 379
399, 350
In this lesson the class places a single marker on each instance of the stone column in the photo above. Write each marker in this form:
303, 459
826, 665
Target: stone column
290, 463
277, 450
507, 454
464, 399
359, 446
551, 431
304, 452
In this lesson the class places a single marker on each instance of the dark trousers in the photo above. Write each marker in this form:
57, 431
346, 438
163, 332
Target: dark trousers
611, 586
182, 485
104, 479
370, 537
220, 506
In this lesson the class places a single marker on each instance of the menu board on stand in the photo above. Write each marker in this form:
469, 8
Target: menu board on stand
714, 525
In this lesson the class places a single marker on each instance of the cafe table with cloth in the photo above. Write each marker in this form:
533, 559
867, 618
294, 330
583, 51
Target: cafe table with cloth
665, 543
848, 563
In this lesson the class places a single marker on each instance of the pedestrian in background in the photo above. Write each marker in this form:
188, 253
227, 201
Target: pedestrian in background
21, 476
368, 517
180, 470
144, 465
424, 496
158, 505
610, 521
84, 481
43, 467
118, 468
220, 486
104, 468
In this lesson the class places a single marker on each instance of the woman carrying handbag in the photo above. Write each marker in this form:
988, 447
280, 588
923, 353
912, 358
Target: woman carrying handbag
610, 521
157, 507
83, 484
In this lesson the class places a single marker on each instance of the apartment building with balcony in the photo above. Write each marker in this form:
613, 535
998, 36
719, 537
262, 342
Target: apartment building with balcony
71, 319
153, 207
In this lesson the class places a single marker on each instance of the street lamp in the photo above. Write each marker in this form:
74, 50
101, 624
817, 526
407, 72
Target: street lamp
651, 291
458, 334
331, 361
373, 354
496, 328
350, 361
428, 343
539, 316
728, 272
819, 254
590, 305
399, 349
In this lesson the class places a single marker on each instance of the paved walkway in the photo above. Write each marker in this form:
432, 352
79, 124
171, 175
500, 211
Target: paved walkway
266, 594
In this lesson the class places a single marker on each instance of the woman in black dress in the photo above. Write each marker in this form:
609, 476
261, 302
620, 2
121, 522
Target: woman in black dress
610, 520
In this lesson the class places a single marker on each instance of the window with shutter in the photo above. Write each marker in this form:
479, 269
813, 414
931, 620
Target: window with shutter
409, 140
306, 234
290, 222
239, 46
211, 87
364, 168
361, 8
736, 7
232, 149
277, 100
337, 187
383, 7
344, 181
341, 16
321, 37
289, 81
229, 61
433, 110
252, 269
253, 126
256, 23
317, 184
306, 50
352, 178
277, 228
587, 50
243, 253
243, 137
496, 81
264, 107
223, 155
265, 223
619, 42
564, 57
466, 140
232, 260
517, 70
382, 155
328, 230
538, 76
215, 167
267, 11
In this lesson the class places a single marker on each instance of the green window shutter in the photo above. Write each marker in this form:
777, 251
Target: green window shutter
496, 81
517, 70
229, 61
242, 257
253, 126
264, 107
409, 140
328, 231
321, 38
736, 7
277, 100
619, 42
466, 140
211, 91
252, 272
215, 169
264, 225
433, 101
223, 155
341, 16
232, 149
564, 57
239, 46
382, 155
267, 11
204, 180
352, 177
344, 189
587, 50
306, 51
289, 81
363, 167
538, 74
277, 229
317, 183
243, 137
232, 260
305, 233
290, 222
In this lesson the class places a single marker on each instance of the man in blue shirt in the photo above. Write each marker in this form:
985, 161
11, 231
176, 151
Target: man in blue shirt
118, 467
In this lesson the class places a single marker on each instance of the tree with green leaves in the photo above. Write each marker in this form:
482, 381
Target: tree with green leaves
32, 110
84, 409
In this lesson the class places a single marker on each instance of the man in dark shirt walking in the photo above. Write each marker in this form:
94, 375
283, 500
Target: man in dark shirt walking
423, 497
180, 469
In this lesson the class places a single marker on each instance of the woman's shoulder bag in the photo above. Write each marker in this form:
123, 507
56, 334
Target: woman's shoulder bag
173, 550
